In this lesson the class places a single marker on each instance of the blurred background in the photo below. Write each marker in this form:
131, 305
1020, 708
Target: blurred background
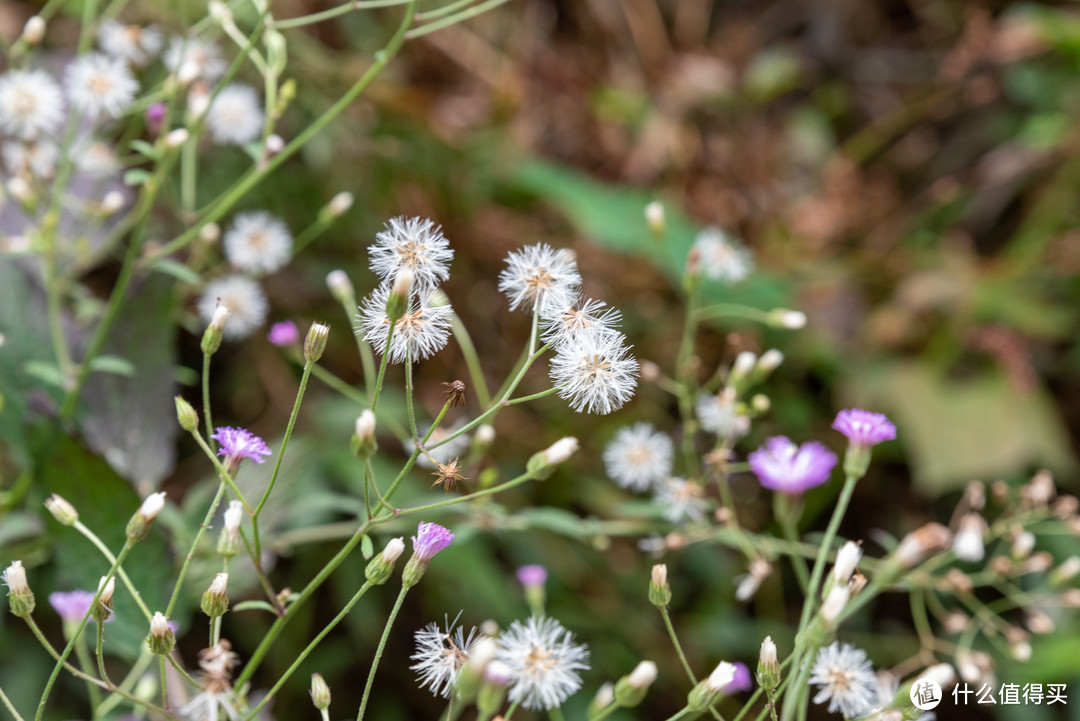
905, 173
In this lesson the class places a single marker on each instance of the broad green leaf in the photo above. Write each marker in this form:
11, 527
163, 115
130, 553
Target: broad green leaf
956, 430
113, 364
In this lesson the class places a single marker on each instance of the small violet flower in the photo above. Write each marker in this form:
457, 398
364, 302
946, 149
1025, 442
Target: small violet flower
71, 605
864, 428
238, 444
532, 575
782, 466
430, 538
742, 681
284, 334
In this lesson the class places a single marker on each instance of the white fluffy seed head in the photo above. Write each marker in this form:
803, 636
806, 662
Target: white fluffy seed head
595, 372
541, 277
235, 116
258, 242
414, 244
98, 85
31, 103
423, 329
638, 457
721, 257
243, 297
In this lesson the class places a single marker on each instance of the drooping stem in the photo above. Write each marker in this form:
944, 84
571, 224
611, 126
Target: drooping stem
379, 652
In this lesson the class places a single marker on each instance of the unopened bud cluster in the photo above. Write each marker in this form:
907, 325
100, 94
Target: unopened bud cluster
139, 525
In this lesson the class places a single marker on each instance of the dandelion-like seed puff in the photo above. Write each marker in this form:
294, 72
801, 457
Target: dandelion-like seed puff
543, 660
414, 243
440, 654
639, 457
541, 277
595, 372
419, 333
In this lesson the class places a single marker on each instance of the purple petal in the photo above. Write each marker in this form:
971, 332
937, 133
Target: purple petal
864, 428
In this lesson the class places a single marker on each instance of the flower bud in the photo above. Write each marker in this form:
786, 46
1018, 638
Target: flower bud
140, 523
1022, 545
339, 204
834, 605
1066, 572
229, 541
341, 287
705, 693
274, 144
784, 318
493, 688
215, 331
176, 138
743, 366
605, 696
102, 610
968, 542
923, 542
189, 419
543, 464
847, 558
659, 590
654, 216
34, 30
768, 667
380, 567
62, 511
484, 436
20, 597
215, 600
320, 692
769, 361
161, 639
210, 233
398, 299
112, 202
430, 539
631, 689
315, 343
365, 443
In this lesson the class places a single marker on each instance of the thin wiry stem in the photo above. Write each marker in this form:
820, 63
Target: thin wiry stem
379, 652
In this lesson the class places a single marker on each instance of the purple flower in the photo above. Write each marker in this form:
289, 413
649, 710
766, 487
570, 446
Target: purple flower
71, 605
532, 575
742, 681
430, 538
864, 428
783, 466
284, 334
238, 444
155, 116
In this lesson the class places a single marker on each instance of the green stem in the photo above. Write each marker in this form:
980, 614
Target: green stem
100, 650
87, 665
182, 671
279, 623
786, 516
164, 686
680, 714
678, 646
510, 711
133, 675
308, 649
379, 651
409, 397
443, 11
78, 526
687, 383
10, 706
281, 454
454, 19
223, 473
472, 359
815, 581
194, 545
78, 632
532, 397
206, 401
334, 12
460, 499
382, 368
605, 712
772, 703
732, 310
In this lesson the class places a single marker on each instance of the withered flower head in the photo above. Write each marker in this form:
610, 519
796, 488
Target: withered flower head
448, 474
454, 393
